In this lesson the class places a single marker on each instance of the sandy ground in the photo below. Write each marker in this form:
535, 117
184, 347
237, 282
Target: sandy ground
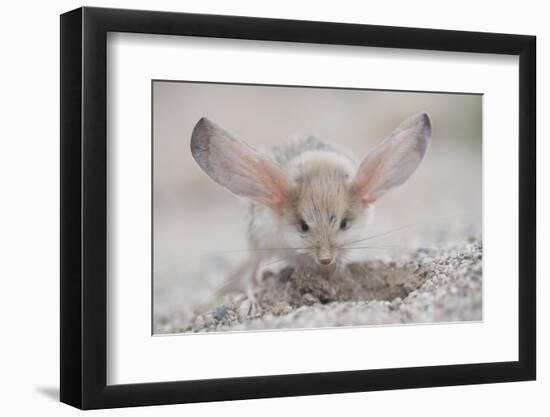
424, 286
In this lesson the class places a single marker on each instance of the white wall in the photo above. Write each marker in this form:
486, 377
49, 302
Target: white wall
29, 169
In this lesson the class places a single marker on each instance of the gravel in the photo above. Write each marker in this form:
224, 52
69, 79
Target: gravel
422, 286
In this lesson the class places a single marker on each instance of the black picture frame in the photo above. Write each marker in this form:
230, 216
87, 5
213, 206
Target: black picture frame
84, 207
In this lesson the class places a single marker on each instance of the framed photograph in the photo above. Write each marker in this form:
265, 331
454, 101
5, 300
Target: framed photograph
257, 208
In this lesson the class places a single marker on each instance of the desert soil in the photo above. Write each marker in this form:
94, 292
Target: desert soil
422, 286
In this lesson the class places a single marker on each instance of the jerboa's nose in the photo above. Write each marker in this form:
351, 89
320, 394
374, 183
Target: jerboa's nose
324, 256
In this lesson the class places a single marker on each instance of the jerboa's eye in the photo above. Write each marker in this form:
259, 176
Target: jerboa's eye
303, 226
344, 224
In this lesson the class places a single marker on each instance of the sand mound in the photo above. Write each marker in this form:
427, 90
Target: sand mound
426, 285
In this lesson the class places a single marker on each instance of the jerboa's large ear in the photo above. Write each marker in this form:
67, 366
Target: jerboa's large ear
393, 161
237, 166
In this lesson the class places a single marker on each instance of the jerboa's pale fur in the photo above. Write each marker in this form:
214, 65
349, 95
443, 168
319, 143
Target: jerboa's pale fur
310, 201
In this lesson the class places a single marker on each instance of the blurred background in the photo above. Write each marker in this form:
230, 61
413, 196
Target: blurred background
200, 228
